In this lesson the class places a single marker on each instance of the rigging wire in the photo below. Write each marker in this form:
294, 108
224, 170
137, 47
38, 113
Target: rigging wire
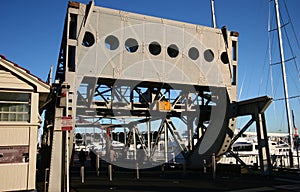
268, 52
264, 66
270, 57
292, 55
291, 50
262, 76
288, 40
292, 97
290, 21
272, 84
284, 26
293, 80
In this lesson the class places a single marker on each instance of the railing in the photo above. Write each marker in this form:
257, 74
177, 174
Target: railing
277, 161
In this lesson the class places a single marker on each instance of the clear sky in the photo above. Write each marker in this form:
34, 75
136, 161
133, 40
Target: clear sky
31, 32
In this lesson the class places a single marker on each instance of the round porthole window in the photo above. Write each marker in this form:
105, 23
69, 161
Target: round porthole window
131, 45
173, 51
193, 53
154, 48
209, 55
111, 42
88, 39
224, 58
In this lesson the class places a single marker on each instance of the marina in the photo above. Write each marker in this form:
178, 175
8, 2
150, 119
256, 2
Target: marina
246, 148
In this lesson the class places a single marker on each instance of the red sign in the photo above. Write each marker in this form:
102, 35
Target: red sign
66, 124
296, 132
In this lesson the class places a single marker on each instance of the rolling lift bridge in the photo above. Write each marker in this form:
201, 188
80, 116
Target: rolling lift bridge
121, 69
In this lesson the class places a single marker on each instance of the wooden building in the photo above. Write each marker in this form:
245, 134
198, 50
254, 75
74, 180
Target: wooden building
22, 97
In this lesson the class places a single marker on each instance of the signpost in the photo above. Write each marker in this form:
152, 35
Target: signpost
66, 123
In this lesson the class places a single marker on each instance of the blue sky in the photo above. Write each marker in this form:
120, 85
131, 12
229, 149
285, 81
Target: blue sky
31, 32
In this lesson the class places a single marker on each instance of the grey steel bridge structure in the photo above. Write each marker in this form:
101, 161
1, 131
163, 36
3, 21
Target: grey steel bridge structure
119, 69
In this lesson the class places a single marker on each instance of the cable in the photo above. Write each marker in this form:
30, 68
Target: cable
292, 97
290, 21
291, 49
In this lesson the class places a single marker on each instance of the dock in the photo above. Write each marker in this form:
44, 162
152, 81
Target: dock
175, 179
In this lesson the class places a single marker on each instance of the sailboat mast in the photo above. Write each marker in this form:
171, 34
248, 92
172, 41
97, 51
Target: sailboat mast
286, 95
212, 5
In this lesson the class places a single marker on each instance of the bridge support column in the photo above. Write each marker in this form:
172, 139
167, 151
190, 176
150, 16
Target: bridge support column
263, 147
256, 108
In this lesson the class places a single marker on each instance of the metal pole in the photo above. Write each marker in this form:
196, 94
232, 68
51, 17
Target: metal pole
67, 159
110, 172
214, 166
213, 13
297, 145
204, 166
98, 165
137, 171
134, 143
67, 145
166, 141
50, 75
82, 174
46, 180
149, 140
286, 96
296, 140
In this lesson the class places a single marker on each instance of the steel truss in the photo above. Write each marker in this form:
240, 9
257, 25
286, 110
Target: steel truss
144, 103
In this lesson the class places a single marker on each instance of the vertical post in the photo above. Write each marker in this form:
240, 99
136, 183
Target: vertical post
94, 135
190, 132
296, 137
134, 142
204, 166
286, 95
125, 135
297, 145
98, 165
137, 171
46, 180
257, 161
263, 146
67, 144
214, 166
110, 172
166, 141
82, 174
149, 140
50, 76
67, 159
213, 13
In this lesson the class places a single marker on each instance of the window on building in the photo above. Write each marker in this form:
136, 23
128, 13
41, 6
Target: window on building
14, 106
